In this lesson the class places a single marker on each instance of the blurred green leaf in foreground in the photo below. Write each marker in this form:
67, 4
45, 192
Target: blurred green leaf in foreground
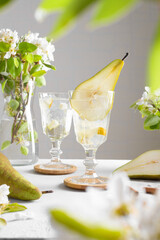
154, 62
87, 230
4, 3
106, 11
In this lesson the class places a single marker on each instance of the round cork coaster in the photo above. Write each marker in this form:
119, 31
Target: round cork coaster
50, 171
69, 182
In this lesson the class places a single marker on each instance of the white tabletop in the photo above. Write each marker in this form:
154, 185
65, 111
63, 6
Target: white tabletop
40, 226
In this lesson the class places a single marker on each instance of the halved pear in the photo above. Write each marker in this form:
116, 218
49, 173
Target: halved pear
145, 166
94, 92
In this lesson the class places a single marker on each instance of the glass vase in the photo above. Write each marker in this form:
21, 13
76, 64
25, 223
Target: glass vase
18, 135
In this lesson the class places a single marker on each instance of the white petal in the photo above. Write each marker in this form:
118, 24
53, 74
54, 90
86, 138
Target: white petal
147, 89
4, 189
7, 55
144, 95
40, 14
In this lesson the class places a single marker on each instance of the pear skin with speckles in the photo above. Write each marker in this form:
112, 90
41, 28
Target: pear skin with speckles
20, 188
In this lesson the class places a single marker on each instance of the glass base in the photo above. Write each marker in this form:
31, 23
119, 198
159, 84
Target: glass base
89, 180
55, 165
23, 162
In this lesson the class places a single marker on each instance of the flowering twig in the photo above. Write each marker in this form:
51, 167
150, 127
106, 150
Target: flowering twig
149, 106
23, 60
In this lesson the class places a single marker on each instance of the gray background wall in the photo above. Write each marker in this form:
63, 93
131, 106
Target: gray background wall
82, 53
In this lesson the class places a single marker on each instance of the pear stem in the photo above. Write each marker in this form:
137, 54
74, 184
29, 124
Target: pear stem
47, 191
125, 56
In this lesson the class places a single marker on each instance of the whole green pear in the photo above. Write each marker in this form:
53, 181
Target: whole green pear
20, 188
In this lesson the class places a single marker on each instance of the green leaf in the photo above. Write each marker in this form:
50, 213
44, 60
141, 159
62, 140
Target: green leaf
40, 81
145, 112
14, 104
5, 145
35, 134
133, 105
9, 86
3, 3
14, 207
2, 66
29, 57
70, 13
4, 47
26, 47
109, 11
11, 66
153, 62
38, 73
151, 128
53, 5
37, 58
19, 68
2, 222
86, 229
35, 68
26, 78
25, 67
12, 69
16, 62
3, 85
48, 6
23, 127
49, 66
151, 121
24, 150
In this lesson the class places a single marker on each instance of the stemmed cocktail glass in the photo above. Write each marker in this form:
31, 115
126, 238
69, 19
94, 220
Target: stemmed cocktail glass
56, 118
91, 116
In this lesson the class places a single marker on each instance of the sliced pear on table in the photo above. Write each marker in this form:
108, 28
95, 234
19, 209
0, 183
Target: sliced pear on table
95, 87
145, 166
20, 188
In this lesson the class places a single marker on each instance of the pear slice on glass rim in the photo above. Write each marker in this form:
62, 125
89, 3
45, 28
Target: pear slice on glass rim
89, 98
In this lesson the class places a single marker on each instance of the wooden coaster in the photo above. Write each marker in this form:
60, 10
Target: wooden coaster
51, 171
68, 182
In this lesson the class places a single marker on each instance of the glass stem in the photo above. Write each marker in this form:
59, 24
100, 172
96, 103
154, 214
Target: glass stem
90, 163
55, 152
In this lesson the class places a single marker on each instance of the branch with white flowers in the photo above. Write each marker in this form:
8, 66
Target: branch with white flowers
149, 107
23, 60
6, 206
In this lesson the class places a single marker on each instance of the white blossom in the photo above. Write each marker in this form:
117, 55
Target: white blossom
24, 215
8, 99
145, 96
44, 48
157, 92
4, 191
40, 14
119, 192
147, 89
140, 102
11, 37
148, 217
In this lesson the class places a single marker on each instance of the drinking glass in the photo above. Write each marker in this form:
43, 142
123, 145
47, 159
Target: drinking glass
91, 126
56, 116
